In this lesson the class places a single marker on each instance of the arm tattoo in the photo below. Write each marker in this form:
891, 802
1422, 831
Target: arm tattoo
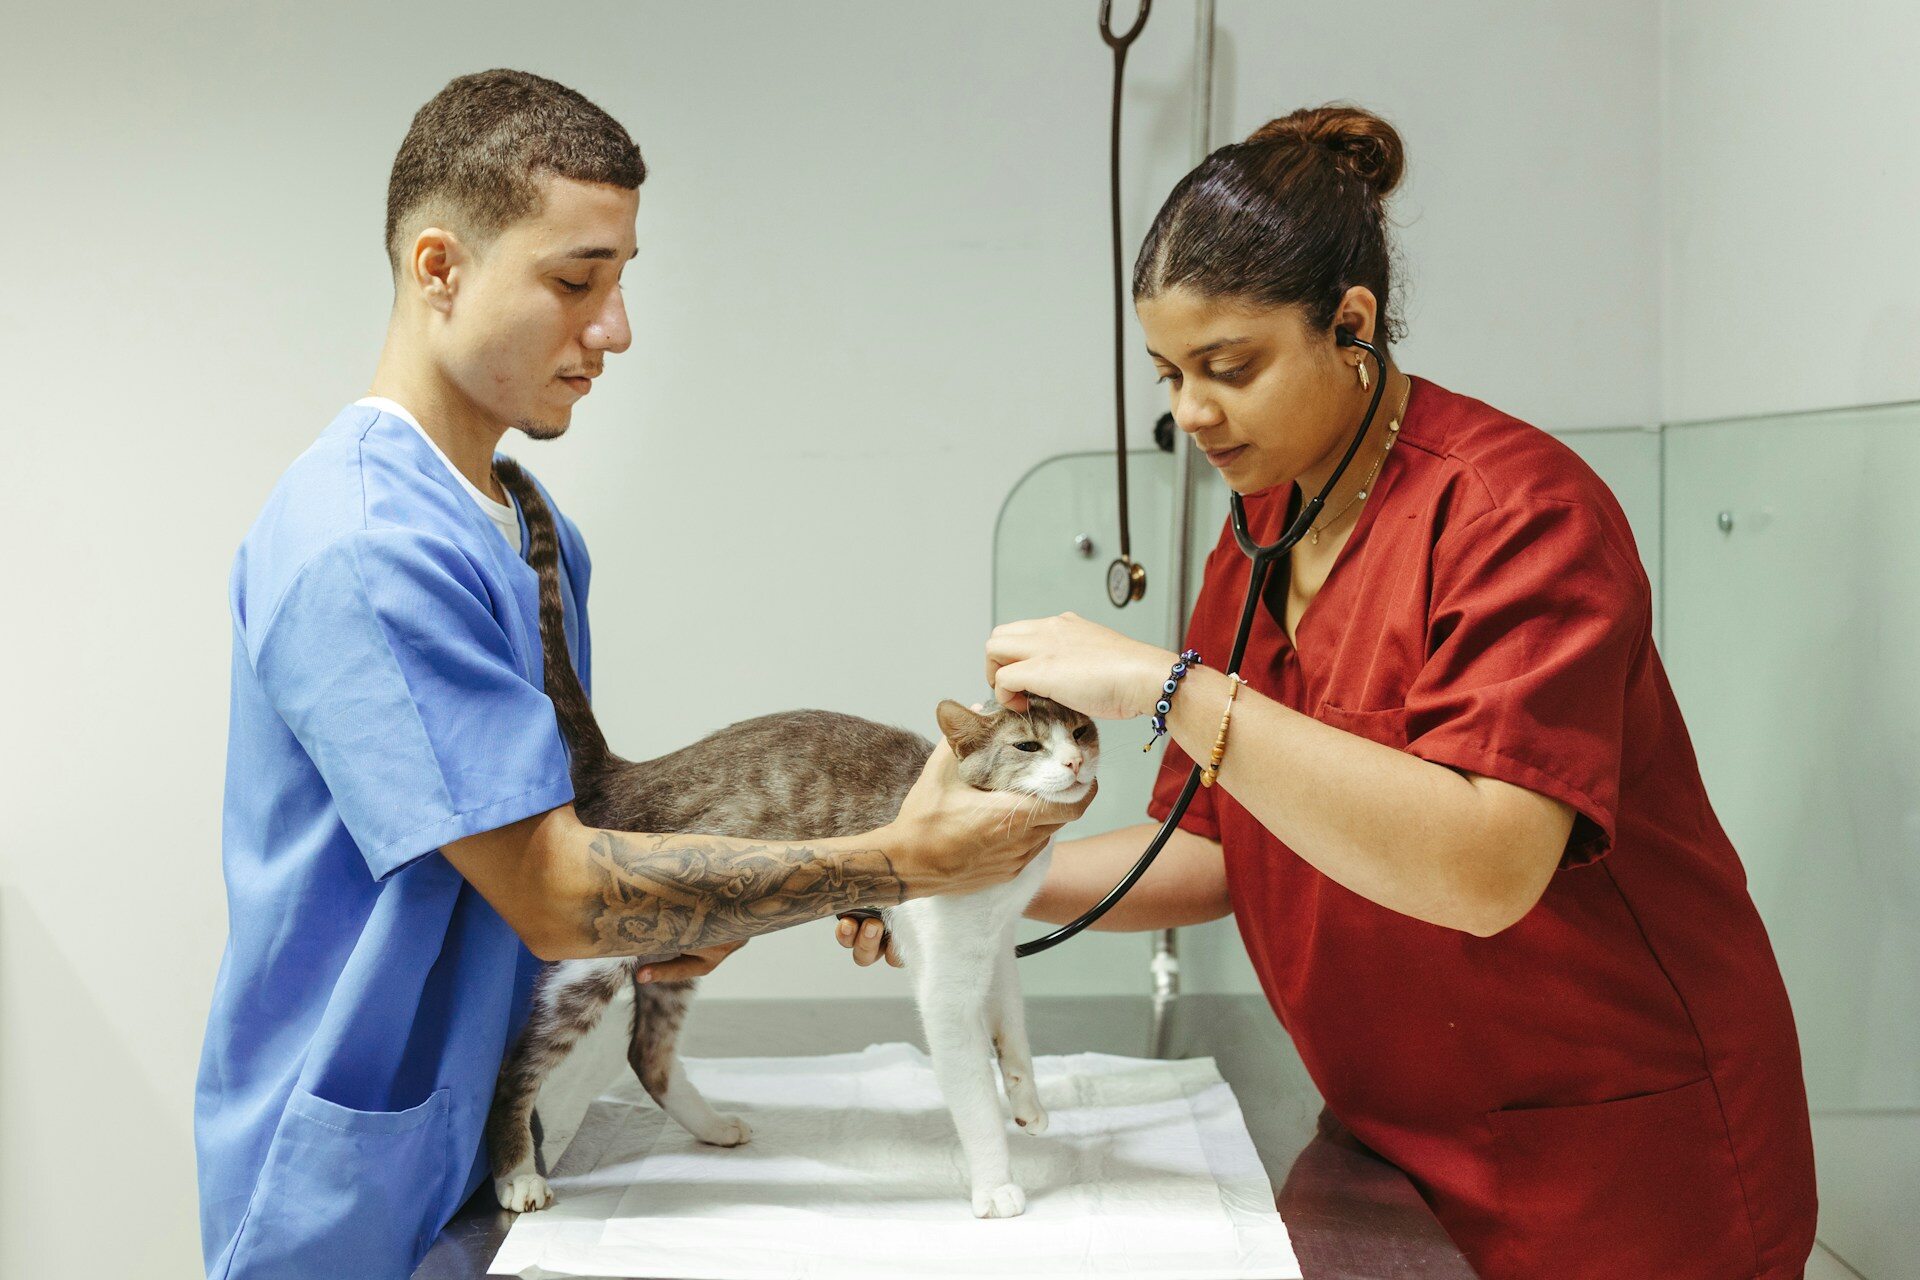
656, 896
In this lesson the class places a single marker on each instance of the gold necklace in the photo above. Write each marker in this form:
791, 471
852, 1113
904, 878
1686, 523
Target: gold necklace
1366, 486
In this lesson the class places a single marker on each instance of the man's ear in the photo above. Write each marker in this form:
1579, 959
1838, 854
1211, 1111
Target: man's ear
437, 259
965, 731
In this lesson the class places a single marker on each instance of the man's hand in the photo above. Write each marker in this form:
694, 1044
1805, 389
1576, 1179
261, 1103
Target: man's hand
689, 965
954, 838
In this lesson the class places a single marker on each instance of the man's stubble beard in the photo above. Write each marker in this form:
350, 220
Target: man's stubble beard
541, 430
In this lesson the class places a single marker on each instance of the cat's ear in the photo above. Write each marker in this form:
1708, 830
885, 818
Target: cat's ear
965, 731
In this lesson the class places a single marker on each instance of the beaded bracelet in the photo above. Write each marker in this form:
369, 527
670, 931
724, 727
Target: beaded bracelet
1212, 771
1189, 658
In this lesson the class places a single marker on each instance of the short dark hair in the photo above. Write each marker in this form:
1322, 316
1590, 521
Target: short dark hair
1293, 215
480, 146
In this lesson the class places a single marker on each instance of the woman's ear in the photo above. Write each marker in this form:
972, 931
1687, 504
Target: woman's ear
1358, 313
965, 731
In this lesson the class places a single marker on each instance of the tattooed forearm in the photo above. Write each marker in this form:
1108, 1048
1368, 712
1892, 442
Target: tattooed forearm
659, 895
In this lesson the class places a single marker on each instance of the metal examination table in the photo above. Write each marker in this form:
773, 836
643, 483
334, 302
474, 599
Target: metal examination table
1352, 1217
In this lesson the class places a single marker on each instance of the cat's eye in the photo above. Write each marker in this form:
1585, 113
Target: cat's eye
1080, 734
1026, 746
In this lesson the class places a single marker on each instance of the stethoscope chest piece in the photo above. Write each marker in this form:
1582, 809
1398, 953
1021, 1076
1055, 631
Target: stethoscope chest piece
1126, 582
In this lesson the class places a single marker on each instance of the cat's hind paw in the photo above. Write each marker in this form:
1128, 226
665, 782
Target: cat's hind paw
523, 1193
727, 1131
1031, 1118
1005, 1201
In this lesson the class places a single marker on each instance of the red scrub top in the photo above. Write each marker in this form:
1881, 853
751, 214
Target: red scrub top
1611, 1087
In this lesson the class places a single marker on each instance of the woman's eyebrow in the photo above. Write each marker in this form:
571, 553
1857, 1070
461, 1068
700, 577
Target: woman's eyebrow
1213, 346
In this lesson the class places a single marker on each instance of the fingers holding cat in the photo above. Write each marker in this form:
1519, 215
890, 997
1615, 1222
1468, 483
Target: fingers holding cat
689, 965
866, 938
951, 837
1081, 664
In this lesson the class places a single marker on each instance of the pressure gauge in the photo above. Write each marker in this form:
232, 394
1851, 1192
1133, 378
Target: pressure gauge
1126, 582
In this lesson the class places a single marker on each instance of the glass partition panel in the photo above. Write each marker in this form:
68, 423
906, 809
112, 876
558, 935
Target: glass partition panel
1793, 624
1793, 590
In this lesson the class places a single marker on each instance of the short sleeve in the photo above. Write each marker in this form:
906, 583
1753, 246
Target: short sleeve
386, 661
1535, 624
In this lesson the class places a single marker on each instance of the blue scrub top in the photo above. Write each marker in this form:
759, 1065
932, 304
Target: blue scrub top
387, 699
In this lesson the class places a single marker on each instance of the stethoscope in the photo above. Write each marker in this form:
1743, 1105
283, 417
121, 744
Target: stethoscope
1264, 557
1127, 581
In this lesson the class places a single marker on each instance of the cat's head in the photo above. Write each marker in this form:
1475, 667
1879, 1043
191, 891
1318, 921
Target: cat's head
1047, 750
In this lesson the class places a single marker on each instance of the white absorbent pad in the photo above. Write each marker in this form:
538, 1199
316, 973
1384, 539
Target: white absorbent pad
1145, 1170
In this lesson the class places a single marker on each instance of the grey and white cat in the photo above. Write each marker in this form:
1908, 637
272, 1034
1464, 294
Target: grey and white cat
798, 775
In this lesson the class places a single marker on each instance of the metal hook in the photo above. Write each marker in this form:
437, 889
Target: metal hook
1106, 24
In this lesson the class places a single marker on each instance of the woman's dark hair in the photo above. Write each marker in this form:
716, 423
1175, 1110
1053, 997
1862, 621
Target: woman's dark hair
1293, 215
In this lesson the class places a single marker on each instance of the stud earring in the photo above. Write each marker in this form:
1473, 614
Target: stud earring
1366, 382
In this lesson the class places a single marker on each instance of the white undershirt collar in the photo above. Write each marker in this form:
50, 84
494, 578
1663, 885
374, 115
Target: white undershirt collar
501, 513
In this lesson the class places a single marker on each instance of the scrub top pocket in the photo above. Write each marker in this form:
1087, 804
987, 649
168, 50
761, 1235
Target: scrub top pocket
338, 1194
1641, 1186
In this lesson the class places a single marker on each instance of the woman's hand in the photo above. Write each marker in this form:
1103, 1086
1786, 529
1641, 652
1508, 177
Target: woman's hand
867, 939
1093, 669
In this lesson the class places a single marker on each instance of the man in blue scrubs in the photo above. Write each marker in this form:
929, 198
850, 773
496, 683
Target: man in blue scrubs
399, 840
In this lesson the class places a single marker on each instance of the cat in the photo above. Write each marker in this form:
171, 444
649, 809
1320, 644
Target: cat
797, 775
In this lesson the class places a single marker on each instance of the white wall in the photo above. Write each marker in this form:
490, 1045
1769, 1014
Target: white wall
871, 295
1793, 183
1528, 225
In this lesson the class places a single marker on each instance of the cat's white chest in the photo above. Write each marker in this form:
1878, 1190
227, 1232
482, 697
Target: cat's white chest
971, 922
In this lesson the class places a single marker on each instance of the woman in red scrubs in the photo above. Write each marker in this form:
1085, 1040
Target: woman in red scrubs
1459, 819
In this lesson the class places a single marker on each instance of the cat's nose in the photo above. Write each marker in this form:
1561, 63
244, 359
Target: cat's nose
1073, 763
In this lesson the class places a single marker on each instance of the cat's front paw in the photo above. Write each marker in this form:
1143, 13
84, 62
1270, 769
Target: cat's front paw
1032, 1118
727, 1131
1005, 1201
523, 1193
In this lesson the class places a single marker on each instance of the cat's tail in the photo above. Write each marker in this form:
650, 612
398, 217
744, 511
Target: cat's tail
585, 742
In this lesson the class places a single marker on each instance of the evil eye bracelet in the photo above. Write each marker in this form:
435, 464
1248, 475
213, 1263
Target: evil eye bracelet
1190, 658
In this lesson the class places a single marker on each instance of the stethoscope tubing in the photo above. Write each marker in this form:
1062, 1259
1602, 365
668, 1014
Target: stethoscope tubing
1263, 558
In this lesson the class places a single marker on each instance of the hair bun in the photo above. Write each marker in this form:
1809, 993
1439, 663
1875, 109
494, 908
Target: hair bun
1359, 141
